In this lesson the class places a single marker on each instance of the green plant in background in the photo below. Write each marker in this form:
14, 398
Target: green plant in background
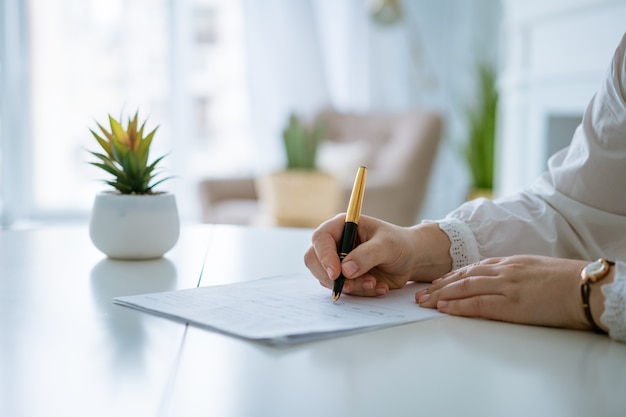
480, 146
386, 12
301, 143
126, 156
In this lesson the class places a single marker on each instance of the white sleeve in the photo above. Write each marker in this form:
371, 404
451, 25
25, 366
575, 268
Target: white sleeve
614, 316
463, 245
541, 221
521, 224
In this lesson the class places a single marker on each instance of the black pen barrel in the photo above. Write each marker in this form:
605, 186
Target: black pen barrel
347, 244
348, 239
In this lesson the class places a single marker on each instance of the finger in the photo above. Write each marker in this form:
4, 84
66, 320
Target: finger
423, 296
463, 288
313, 264
486, 306
365, 286
323, 253
482, 268
368, 255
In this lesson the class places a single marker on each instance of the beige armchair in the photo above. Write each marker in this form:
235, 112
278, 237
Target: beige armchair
398, 149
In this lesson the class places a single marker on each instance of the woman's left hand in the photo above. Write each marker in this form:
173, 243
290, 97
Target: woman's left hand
519, 289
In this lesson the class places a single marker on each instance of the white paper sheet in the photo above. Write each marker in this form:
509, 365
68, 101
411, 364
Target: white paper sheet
282, 309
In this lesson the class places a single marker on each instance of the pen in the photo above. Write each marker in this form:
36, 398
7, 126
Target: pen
349, 229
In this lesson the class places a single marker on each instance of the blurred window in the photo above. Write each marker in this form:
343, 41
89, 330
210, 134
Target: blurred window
179, 62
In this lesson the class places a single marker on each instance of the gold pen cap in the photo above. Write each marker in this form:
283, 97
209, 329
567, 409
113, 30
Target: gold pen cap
356, 198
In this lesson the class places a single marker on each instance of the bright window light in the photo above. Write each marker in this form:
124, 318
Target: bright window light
181, 63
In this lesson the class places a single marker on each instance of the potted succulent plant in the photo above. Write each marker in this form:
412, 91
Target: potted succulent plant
132, 221
301, 195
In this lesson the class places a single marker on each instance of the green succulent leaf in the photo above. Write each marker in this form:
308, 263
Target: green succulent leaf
160, 181
118, 131
103, 143
125, 157
105, 167
106, 133
130, 165
144, 146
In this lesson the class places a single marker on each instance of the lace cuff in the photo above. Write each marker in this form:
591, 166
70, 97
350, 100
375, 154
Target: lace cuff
463, 245
614, 316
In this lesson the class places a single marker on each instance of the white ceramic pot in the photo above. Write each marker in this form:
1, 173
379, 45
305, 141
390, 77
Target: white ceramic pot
125, 226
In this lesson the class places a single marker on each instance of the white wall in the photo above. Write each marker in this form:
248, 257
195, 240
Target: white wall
555, 55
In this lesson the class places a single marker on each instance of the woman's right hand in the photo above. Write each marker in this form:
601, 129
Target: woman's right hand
385, 257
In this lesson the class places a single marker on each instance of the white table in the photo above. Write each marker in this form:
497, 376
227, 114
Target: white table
67, 350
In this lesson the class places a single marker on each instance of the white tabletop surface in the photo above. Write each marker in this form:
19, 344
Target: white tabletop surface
67, 350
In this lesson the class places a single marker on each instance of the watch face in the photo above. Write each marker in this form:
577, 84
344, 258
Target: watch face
595, 270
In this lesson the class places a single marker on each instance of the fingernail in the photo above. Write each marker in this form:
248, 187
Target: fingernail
423, 298
368, 285
442, 304
381, 290
349, 268
330, 273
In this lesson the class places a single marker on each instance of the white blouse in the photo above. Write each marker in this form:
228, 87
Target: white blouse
576, 210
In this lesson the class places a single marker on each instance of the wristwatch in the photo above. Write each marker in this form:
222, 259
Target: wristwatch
593, 272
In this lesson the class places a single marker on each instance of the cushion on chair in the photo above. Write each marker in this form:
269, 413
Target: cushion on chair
399, 153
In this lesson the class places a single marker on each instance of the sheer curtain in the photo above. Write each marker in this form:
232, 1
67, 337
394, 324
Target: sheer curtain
284, 70
14, 173
302, 56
